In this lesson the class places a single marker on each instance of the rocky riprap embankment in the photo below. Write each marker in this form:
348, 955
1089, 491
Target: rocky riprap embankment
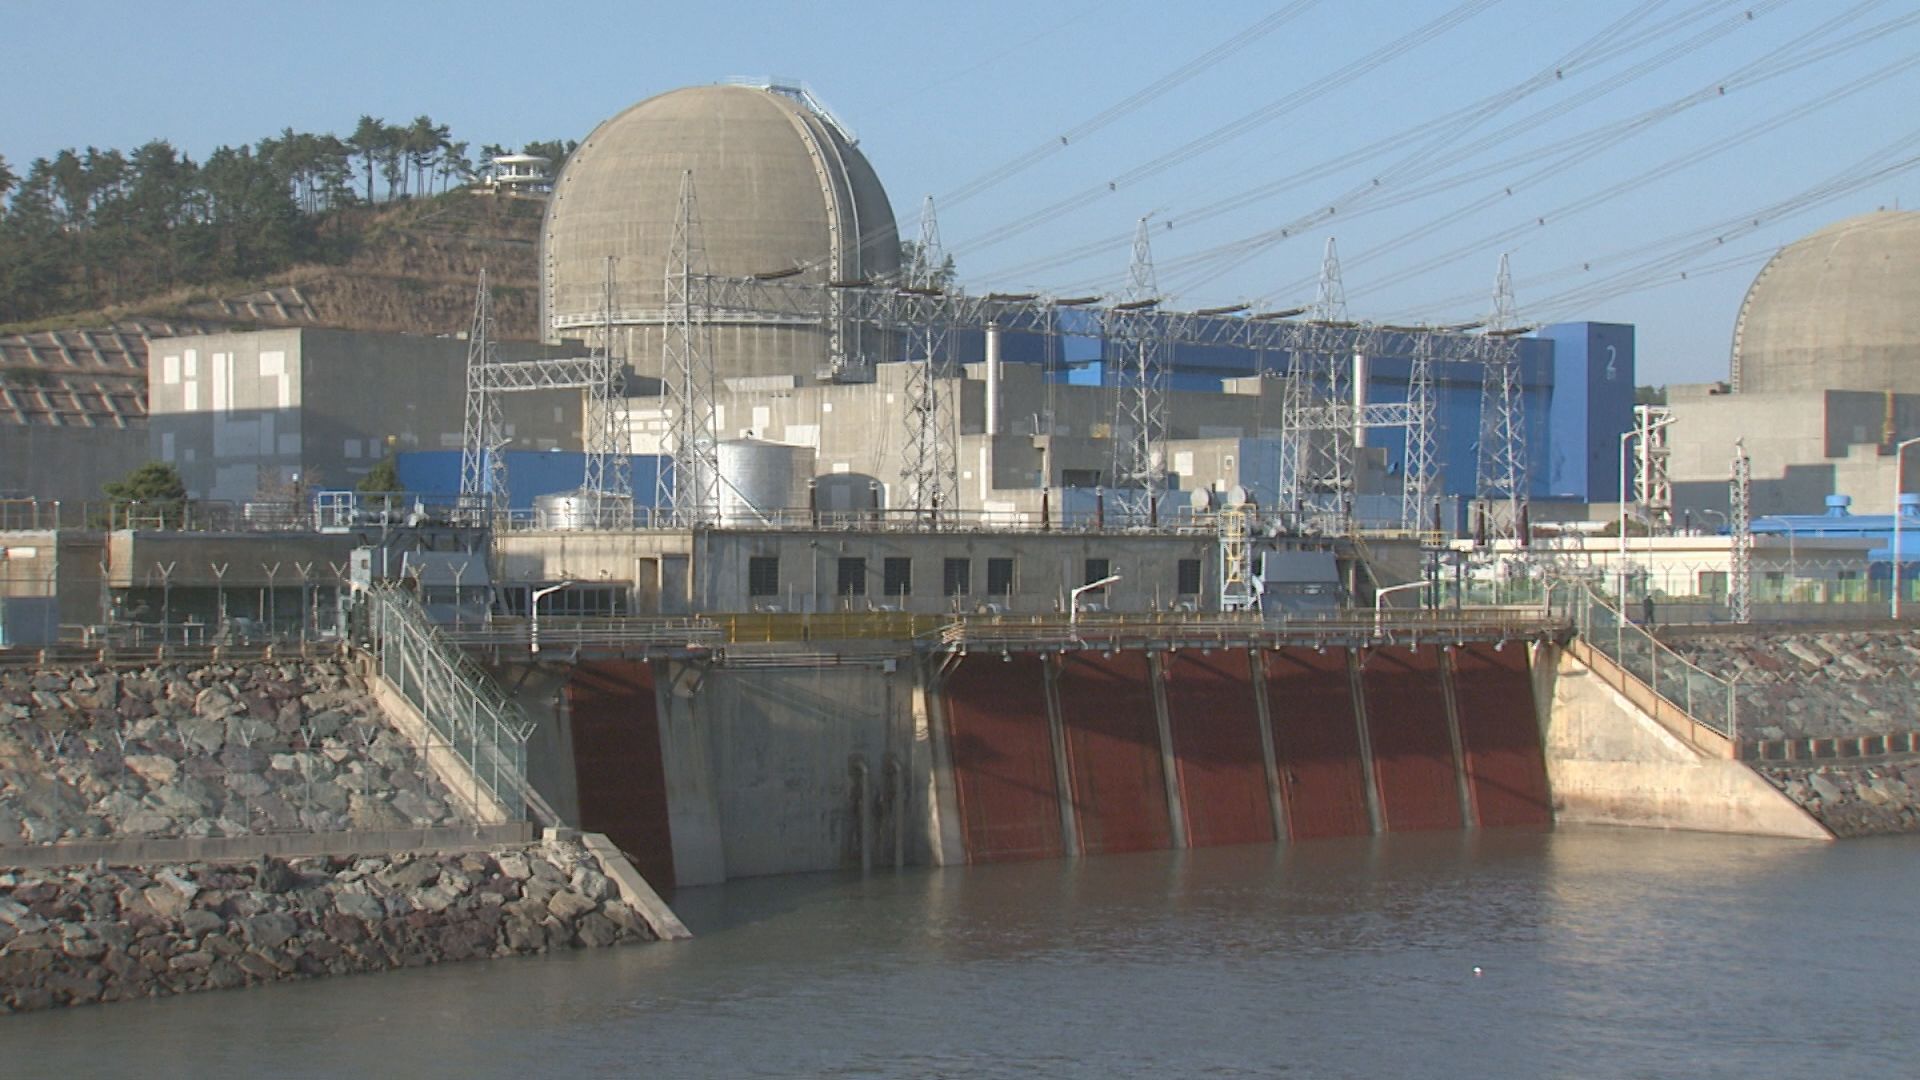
214, 750
77, 936
1815, 684
1855, 799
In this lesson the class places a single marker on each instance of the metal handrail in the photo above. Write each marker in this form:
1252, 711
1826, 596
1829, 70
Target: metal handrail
1706, 699
457, 700
562, 633
1352, 626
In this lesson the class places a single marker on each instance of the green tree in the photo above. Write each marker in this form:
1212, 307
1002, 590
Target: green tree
554, 150
382, 479
941, 277
153, 491
35, 251
251, 210
369, 138
424, 143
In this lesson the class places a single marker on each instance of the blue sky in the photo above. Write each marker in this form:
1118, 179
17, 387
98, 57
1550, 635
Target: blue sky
1607, 147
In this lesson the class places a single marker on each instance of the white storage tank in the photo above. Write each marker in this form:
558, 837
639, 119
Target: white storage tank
763, 481
581, 509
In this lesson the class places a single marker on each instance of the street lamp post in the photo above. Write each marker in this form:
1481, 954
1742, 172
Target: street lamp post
533, 614
1380, 609
1073, 600
1899, 463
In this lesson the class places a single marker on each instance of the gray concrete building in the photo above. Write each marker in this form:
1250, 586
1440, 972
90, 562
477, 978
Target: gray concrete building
814, 570
266, 413
1020, 438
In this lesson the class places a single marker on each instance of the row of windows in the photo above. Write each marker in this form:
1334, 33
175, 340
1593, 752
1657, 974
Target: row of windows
582, 599
956, 576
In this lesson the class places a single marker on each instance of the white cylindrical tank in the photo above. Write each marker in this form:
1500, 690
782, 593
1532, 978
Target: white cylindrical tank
762, 481
581, 510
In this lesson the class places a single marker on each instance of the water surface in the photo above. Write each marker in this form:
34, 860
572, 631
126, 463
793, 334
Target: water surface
1603, 953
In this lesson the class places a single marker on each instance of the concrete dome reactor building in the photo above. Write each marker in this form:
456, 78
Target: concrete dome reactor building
778, 184
1836, 310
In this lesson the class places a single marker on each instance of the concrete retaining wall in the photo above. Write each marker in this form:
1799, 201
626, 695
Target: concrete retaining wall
1611, 763
779, 770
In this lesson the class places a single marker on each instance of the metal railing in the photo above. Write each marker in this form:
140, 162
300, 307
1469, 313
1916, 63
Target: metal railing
1708, 700
561, 633
1350, 626
160, 515
457, 699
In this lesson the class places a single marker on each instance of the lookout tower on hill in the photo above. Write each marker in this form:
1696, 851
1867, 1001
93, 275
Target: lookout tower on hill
521, 174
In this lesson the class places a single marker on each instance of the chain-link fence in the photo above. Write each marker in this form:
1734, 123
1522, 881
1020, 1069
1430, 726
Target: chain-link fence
457, 699
1708, 699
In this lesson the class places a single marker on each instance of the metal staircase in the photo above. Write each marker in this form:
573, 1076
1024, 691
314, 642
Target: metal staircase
462, 706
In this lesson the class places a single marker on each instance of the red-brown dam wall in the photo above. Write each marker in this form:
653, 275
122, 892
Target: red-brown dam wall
1316, 740
1215, 724
1002, 754
616, 760
1413, 764
1500, 734
1113, 753
1081, 752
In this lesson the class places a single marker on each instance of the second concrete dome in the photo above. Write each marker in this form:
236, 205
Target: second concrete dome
1836, 310
777, 185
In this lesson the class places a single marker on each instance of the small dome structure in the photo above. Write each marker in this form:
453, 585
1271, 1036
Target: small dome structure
1836, 310
778, 185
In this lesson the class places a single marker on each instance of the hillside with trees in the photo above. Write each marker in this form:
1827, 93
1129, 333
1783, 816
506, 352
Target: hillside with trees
379, 230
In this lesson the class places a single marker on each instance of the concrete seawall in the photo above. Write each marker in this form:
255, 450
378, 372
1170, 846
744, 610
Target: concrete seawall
1611, 762
813, 758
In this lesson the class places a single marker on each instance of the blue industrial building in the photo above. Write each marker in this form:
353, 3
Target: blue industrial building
1840, 521
434, 475
1577, 380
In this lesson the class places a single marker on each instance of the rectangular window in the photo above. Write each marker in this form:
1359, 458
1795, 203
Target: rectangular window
579, 601
1188, 575
853, 576
1713, 584
763, 575
1080, 478
956, 579
1097, 569
896, 576
999, 577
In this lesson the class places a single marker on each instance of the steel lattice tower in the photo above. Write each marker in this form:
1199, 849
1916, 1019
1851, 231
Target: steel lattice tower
1740, 535
1652, 483
1140, 389
929, 468
1419, 479
686, 376
1239, 591
1319, 416
609, 479
483, 466
1502, 480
